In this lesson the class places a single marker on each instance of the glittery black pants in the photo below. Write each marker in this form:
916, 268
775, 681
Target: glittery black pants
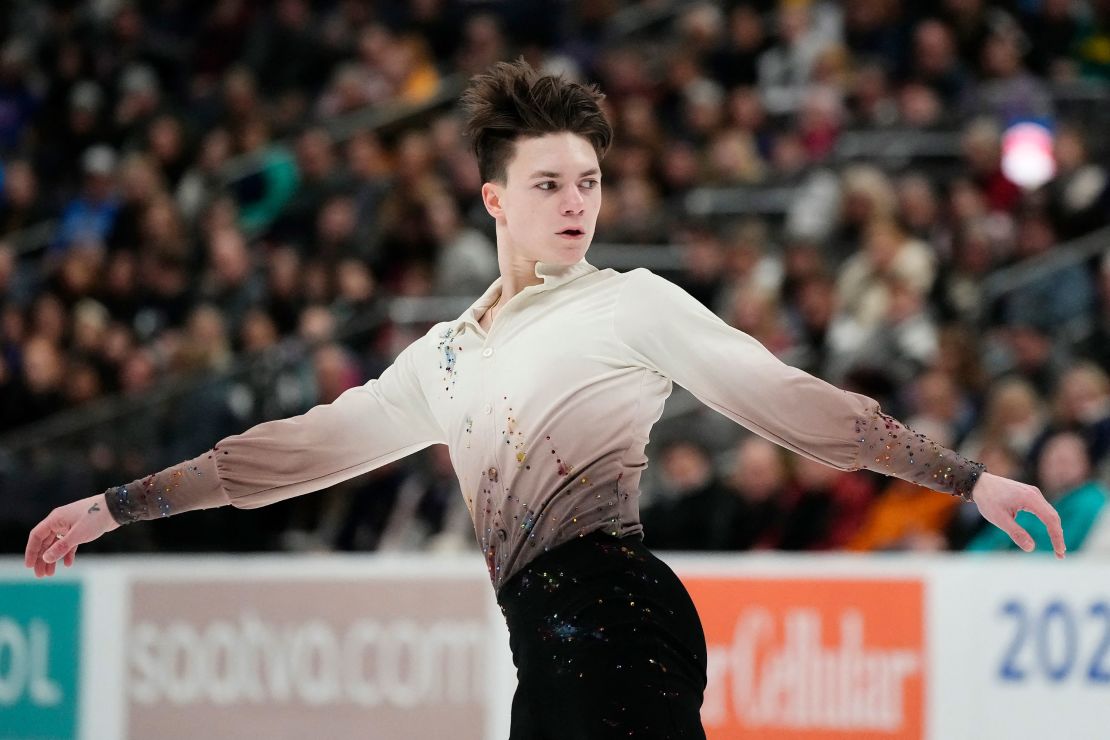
607, 644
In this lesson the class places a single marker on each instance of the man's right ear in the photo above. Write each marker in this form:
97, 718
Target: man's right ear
491, 199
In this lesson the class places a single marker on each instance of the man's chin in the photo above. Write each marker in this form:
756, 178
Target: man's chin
568, 254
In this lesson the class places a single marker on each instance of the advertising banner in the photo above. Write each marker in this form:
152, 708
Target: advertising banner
813, 659
1031, 645
385, 657
40, 659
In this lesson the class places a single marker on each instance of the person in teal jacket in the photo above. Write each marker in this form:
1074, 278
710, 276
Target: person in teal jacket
1064, 471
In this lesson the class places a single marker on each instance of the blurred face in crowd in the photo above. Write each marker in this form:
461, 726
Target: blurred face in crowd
547, 207
42, 365
1084, 394
759, 473
1070, 150
20, 184
1063, 464
935, 52
883, 242
1000, 461
686, 467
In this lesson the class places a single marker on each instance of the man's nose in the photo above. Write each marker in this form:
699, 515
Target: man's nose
573, 202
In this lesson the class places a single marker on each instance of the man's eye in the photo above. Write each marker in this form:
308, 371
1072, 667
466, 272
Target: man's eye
548, 185
590, 184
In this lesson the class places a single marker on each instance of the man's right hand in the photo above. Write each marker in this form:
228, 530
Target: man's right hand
57, 536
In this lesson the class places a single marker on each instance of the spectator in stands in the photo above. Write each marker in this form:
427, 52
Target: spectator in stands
1014, 417
702, 263
863, 286
140, 183
735, 61
88, 219
814, 310
1060, 300
318, 179
685, 514
1079, 194
139, 105
937, 400
466, 259
1088, 48
982, 147
1008, 92
167, 146
231, 282
43, 374
18, 99
958, 290
1082, 404
21, 204
202, 180
1052, 28
824, 507
803, 32
936, 64
752, 519
262, 194
899, 346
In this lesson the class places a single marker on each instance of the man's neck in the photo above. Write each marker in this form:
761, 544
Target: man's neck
516, 274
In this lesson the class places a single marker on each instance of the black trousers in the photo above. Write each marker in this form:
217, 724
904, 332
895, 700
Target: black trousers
607, 644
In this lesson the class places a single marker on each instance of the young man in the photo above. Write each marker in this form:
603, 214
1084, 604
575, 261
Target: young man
545, 391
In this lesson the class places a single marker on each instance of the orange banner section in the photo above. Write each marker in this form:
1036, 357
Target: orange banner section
813, 659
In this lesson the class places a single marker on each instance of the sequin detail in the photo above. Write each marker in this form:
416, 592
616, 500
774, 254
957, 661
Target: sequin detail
512, 436
448, 359
888, 446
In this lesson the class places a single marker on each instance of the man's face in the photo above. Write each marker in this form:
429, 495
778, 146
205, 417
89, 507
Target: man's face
550, 199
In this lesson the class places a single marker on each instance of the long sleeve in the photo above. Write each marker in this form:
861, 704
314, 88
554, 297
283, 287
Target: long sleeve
366, 427
669, 332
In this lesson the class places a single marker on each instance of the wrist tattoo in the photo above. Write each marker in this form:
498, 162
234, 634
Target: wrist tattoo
95, 507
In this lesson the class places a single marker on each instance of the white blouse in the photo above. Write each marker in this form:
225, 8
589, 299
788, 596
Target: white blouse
548, 414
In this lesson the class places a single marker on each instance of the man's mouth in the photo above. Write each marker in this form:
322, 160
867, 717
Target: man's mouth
572, 233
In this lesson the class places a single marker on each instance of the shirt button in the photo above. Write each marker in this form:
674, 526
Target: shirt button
487, 352
488, 409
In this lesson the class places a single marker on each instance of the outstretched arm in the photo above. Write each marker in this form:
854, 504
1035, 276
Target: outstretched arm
669, 332
366, 427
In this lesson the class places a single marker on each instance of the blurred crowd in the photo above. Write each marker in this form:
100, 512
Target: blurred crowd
206, 221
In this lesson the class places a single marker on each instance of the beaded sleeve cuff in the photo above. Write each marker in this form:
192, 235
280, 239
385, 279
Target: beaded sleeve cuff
888, 446
193, 484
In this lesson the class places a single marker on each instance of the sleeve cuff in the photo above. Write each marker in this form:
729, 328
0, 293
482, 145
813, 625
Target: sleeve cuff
888, 446
187, 486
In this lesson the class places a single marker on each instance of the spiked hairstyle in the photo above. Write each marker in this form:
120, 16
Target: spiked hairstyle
512, 100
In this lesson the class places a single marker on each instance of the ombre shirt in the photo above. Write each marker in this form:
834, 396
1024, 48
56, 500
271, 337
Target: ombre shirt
548, 414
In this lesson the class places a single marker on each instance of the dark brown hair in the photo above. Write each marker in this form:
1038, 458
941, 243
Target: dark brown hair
512, 100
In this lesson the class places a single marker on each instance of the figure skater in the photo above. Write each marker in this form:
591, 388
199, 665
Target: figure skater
545, 391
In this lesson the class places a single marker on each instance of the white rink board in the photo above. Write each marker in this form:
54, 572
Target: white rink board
1014, 646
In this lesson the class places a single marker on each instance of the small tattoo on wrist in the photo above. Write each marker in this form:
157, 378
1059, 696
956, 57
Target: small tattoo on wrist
95, 507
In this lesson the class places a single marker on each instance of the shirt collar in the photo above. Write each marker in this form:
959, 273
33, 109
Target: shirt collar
552, 275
